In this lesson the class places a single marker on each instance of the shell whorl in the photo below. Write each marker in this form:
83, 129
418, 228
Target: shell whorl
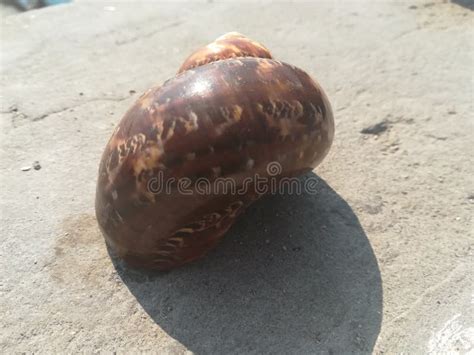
230, 45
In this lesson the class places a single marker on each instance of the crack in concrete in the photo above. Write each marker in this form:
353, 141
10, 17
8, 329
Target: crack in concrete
16, 113
430, 290
147, 35
45, 115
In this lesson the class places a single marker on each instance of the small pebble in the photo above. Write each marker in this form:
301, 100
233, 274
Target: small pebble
36, 165
26, 168
377, 128
267, 241
131, 92
284, 248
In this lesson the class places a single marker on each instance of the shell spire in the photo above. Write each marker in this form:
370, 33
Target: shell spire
227, 46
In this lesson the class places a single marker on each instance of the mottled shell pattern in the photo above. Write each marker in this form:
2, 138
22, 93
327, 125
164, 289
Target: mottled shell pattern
229, 112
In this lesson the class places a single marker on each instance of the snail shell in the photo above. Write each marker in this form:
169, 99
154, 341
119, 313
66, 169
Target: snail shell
230, 112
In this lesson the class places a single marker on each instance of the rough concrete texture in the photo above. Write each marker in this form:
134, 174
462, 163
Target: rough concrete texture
380, 260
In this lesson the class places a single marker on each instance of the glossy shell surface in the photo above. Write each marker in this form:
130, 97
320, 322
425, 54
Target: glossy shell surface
225, 119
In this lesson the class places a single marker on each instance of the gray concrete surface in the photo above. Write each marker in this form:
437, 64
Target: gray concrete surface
7, 9
379, 261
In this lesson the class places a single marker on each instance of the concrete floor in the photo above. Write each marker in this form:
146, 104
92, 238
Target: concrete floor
7, 9
379, 261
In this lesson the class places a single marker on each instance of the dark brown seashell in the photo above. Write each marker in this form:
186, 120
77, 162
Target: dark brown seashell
226, 119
